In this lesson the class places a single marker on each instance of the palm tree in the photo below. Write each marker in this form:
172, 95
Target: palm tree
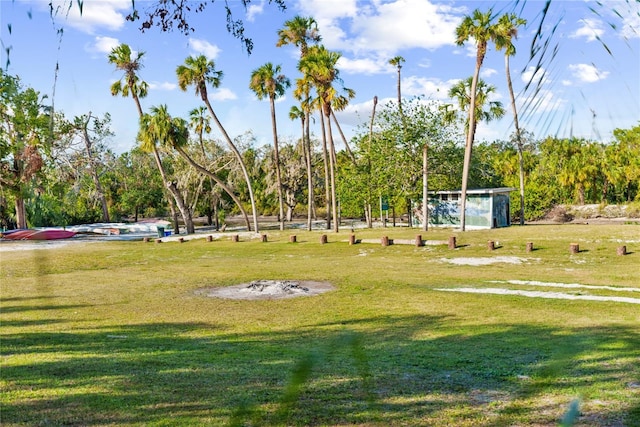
397, 62
130, 84
200, 122
160, 127
300, 31
461, 92
267, 81
199, 71
320, 65
508, 30
479, 27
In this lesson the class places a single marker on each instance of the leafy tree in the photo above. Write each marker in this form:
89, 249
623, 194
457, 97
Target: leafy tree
622, 160
478, 26
199, 71
268, 82
25, 135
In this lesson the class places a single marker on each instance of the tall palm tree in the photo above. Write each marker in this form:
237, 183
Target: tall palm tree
130, 84
267, 81
199, 71
461, 92
320, 65
160, 127
507, 30
300, 31
200, 122
484, 110
478, 26
397, 62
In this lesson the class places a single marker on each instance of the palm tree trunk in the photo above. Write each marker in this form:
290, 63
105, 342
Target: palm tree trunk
240, 160
218, 181
276, 159
518, 137
344, 139
469, 144
332, 171
425, 188
327, 190
306, 145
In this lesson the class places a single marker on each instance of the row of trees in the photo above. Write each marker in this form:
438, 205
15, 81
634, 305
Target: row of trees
66, 174
388, 159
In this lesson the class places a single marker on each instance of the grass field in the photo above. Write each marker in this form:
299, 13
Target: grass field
114, 333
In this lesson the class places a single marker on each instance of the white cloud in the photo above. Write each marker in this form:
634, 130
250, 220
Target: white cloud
162, 86
95, 15
383, 27
591, 29
587, 73
103, 44
487, 72
205, 48
223, 94
430, 88
254, 9
365, 66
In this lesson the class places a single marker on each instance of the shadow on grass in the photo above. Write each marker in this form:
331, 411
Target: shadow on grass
412, 370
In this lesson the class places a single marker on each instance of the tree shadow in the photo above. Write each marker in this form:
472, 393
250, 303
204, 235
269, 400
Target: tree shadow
412, 370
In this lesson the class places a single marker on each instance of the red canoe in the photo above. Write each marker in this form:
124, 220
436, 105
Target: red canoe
38, 234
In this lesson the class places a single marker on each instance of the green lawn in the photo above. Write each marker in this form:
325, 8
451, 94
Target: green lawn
113, 333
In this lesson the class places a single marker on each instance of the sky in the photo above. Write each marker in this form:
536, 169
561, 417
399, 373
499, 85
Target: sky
586, 85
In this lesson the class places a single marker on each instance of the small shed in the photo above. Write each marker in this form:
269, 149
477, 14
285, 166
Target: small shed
486, 208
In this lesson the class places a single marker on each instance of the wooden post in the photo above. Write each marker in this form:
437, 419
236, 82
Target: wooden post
209, 238
181, 240
352, 239
146, 240
622, 250
235, 238
263, 238
293, 238
323, 239
491, 245
385, 240
419, 241
452, 242
529, 246
574, 248
158, 240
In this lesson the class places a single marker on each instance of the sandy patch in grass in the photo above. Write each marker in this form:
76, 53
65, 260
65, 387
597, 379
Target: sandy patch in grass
484, 260
540, 294
268, 289
566, 285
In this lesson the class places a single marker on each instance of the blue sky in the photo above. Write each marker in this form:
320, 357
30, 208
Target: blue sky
590, 87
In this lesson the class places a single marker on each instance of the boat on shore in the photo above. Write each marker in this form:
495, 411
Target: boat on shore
33, 234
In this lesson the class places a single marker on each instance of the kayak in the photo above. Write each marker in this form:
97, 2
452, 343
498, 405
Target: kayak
30, 234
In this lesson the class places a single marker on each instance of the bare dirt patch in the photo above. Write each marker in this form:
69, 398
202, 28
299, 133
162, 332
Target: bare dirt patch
268, 289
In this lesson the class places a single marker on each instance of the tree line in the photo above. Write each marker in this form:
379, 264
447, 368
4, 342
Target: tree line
60, 171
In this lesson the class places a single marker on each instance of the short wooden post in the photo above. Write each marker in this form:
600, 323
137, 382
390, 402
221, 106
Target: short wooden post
293, 238
574, 248
235, 238
352, 239
209, 238
419, 241
263, 238
491, 245
385, 240
181, 240
158, 240
323, 239
622, 250
529, 246
452, 242
146, 240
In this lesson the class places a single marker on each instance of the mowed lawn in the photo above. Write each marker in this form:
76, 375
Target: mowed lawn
114, 333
